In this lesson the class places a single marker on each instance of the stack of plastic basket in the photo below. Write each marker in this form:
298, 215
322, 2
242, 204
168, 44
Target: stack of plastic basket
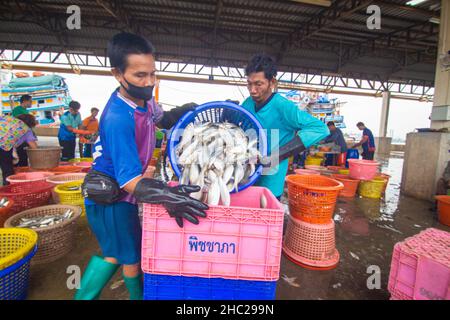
29, 176
63, 178
83, 163
233, 253
372, 184
420, 267
350, 185
27, 195
17, 247
310, 233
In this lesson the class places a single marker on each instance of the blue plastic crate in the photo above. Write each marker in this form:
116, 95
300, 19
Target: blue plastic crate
162, 287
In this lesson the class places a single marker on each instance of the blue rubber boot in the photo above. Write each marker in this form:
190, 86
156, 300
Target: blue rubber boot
95, 277
134, 286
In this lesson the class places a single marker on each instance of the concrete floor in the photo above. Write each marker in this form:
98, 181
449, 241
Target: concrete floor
366, 231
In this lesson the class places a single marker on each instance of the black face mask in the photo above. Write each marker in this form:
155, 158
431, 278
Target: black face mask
144, 93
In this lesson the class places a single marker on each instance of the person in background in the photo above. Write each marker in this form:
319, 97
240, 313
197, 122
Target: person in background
25, 103
68, 128
89, 124
49, 117
297, 129
367, 142
14, 132
337, 137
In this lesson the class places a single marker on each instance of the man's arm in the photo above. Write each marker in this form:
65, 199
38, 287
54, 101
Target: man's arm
363, 140
170, 118
310, 129
67, 123
332, 137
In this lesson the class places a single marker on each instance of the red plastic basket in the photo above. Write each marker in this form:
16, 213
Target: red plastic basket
420, 267
311, 245
242, 241
6, 212
29, 176
350, 185
312, 198
27, 195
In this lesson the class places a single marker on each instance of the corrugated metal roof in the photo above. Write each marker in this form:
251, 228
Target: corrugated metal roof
201, 28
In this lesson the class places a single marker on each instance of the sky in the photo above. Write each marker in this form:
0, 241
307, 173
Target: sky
404, 116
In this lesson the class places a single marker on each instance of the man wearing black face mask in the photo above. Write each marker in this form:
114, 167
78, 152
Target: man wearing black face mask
121, 156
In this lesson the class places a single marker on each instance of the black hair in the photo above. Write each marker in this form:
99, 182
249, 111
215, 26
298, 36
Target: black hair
28, 119
75, 105
123, 44
262, 62
330, 123
25, 97
94, 109
359, 124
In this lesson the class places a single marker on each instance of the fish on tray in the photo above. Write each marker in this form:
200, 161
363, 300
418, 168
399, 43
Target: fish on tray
218, 157
44, 221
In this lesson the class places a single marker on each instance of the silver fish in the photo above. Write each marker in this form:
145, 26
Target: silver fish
44, 221
216, 156
263, 201
4, 202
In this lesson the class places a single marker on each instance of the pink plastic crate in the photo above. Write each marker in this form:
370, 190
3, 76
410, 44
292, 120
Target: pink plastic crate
242, 241
363, 169
420, 267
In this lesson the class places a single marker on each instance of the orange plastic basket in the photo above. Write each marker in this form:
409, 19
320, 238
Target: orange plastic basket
22, 169
443, 209
66, 169
350, 185
335, 168
312, 246
312, 198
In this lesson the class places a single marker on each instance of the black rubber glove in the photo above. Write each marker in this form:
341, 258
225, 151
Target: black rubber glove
176, 200
170, 118
293, 147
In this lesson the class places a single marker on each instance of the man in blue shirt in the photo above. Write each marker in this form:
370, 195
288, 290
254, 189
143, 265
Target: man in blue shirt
70, 123
289, 129
367, 142
337, 137
121, 154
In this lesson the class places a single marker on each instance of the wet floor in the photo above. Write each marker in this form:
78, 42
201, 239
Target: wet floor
366, 231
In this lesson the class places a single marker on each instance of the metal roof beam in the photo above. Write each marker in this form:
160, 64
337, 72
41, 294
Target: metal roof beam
339, 10
390, 40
